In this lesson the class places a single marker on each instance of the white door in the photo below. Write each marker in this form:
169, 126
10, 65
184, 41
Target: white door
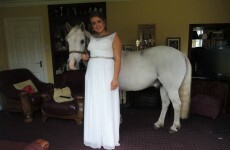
25, 45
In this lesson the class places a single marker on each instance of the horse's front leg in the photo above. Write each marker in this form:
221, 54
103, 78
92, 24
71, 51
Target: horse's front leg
176, 102
165, 104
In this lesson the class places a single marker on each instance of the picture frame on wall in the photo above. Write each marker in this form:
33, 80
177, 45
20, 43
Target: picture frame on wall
128, 47
146, 35
173, 42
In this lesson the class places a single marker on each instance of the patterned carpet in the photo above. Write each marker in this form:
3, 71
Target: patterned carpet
136, 132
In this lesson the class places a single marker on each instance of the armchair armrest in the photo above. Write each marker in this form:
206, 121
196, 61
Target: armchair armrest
11, 92
80, 103
79, 98
39, 144
23, 94
47, 96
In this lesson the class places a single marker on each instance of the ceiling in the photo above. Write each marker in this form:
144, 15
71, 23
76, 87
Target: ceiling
8, 3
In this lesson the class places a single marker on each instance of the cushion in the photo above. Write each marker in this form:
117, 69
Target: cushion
206, 105
62, 95
207, 100
28, 89
21, 85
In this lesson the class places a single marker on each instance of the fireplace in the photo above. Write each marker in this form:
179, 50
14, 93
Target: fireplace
147, 98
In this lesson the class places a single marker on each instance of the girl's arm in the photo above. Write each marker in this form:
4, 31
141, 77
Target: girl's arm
117, 61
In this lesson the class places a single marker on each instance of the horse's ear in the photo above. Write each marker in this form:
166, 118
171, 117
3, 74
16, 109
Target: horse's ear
87, 34
68, 26
82, 26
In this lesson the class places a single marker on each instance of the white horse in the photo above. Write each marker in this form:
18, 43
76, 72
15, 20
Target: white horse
160, 66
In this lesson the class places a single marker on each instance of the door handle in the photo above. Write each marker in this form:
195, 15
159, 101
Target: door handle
40, 63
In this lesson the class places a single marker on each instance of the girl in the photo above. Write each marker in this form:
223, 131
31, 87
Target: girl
102, 106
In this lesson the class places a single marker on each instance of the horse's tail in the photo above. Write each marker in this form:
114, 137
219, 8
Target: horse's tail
185, 90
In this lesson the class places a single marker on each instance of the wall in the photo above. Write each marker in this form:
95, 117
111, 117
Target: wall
172, 19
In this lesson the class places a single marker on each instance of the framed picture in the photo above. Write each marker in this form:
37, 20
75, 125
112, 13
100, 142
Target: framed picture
173, 42
146, 35
128, 47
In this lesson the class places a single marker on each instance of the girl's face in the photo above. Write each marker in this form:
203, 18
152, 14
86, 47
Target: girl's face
98, 25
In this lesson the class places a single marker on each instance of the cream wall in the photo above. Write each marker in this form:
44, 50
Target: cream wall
172, 19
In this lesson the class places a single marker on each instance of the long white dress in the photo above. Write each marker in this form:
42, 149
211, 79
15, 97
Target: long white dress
102, 108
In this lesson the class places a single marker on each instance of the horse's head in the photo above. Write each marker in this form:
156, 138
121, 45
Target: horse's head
76, 40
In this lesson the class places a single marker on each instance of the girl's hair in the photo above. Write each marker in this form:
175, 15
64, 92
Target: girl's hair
97, 14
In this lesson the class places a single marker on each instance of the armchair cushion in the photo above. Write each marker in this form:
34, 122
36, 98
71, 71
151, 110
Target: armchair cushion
23, 84
28, 89
206, 105
62, 95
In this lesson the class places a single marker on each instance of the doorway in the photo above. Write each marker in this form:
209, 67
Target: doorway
25, 45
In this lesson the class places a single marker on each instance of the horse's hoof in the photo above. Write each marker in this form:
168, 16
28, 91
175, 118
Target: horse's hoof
157, 127
172, 131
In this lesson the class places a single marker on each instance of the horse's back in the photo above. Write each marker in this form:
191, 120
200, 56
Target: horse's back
142, 68
160, 54
159, 58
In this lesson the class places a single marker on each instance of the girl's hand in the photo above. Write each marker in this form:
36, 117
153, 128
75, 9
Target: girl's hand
85, 56
114, 84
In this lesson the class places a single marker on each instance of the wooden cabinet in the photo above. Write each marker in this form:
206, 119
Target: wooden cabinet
73, 14
213, 88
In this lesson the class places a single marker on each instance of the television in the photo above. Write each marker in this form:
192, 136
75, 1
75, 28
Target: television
211, 63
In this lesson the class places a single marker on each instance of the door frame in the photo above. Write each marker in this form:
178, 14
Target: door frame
41, 24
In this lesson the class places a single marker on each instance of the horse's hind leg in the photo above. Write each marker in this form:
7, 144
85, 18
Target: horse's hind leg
165, 105
175, 99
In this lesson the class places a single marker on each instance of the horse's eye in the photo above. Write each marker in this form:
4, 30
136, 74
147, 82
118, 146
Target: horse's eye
82, 41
